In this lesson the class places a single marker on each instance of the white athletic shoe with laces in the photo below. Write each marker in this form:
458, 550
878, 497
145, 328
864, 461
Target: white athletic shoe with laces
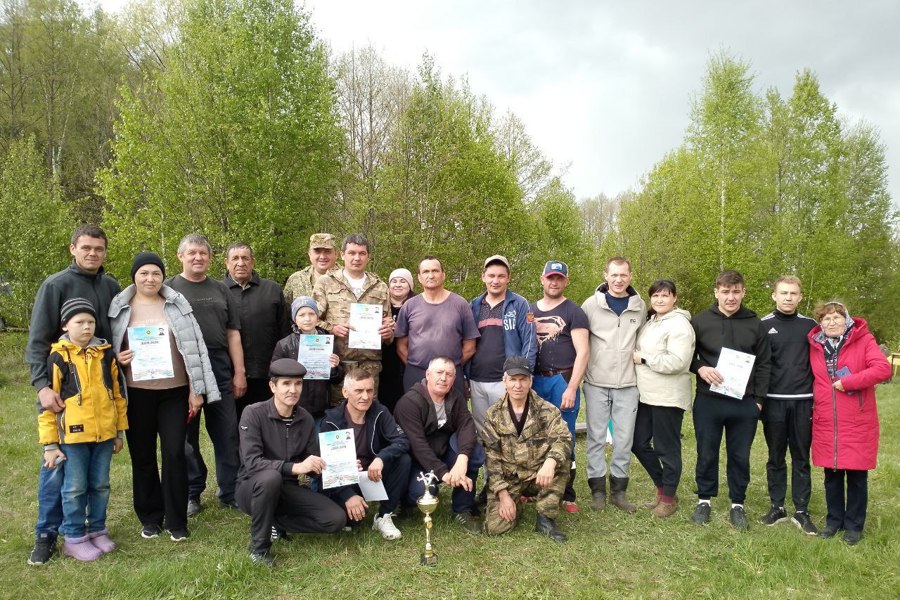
387, 528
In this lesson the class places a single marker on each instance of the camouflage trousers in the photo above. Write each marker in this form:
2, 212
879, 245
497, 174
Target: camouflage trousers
547, 500
369, 366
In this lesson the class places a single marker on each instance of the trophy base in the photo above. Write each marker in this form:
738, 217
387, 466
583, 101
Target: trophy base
429, 560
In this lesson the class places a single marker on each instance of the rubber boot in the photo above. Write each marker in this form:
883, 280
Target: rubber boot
617, 487
547, 526
598, 492
102, 541
81, 548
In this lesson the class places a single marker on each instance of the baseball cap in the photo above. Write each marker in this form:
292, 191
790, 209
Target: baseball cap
516, 365
556, 267
497, 258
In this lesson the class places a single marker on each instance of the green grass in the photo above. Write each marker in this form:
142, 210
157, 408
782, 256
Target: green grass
609, 554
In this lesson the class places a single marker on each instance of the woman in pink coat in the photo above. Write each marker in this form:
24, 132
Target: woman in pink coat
846, 364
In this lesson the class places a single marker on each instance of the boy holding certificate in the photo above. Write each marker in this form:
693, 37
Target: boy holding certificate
724, 402
313, 347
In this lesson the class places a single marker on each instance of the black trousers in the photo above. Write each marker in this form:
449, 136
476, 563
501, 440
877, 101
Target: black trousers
163, 413
395, 477
657, 444
221, 425
788, 424
714, 415
258, 390
849, 513
270, 499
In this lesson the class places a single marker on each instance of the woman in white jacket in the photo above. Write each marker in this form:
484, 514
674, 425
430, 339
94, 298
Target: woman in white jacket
662, 356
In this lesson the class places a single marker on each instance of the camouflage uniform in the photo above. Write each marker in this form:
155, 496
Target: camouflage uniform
334, 297
301, 283
513, 460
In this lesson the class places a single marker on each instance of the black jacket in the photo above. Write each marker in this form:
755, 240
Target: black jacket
99, 289
791, 374
268, 443
386, 439
316, 394
264, 321
428, 444
743, 332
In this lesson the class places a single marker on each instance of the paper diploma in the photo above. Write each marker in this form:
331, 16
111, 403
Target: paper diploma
371, 490
338, 450
152, 353
735, 368
365, 321
314, 353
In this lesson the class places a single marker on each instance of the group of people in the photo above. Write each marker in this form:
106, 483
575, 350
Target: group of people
230, 350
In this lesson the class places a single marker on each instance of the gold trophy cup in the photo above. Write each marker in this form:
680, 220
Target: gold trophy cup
427, 504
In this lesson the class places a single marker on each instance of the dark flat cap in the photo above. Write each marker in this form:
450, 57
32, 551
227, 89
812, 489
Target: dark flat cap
286, 367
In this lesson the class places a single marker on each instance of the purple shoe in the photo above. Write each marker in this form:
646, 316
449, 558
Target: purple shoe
102, 541
81, 548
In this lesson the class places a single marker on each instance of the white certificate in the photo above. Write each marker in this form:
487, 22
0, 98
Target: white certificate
338, 450
152, 353
365, 321
314, 353
372, 490
735, 368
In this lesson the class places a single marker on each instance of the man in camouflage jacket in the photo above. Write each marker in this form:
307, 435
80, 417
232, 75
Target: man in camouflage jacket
528, 446
322, 259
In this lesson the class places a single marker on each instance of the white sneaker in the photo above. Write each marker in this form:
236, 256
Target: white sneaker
386, 526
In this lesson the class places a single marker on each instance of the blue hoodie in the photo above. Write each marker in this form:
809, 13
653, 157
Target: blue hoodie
519, 330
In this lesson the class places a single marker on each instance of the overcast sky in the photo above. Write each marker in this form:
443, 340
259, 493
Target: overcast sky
604, 88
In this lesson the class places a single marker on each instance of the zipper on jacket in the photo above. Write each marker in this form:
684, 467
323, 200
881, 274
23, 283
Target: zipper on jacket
834, 414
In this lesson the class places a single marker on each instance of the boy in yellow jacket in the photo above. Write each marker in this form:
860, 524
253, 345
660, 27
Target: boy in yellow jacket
87, 432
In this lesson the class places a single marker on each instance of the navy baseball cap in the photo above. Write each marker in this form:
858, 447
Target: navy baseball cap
556, 267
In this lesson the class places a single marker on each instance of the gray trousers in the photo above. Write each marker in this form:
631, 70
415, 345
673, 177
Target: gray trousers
602, 404
484, 395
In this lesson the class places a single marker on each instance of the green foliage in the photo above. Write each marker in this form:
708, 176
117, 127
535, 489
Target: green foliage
35, 231
236, 138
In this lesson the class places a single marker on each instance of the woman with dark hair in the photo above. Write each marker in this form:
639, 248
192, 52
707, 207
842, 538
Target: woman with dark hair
390, 383
846, 364
662, 357
160, 404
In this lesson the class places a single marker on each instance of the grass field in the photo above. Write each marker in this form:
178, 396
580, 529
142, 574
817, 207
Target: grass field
609, 554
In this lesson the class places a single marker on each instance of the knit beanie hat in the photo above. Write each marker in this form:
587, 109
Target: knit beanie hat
147, 258
301, 301
405, 274
75, 306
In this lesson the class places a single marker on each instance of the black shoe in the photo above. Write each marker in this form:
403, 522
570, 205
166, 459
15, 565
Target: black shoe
701, 513
738, 518
547, 526
852, 537
801, 519
829, 531
194, 507
42, 551
468, 521
481, 497
148, 532
263, 558
179, 535
775, 515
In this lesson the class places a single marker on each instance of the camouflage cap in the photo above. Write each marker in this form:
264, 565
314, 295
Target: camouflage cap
322, 240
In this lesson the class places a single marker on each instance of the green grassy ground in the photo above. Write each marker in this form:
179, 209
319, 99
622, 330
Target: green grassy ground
609, 555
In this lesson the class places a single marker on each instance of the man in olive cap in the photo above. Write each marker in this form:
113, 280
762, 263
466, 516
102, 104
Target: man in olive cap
279, 454
322, 258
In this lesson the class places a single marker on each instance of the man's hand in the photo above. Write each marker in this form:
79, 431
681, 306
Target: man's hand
545, 473
125, 356
375, 469
507, 509
240, 384
53, 457
710, 375
457, 475
117, 445
311, 464
568, 398
341, 331
334, 360
386, 331
50, 400
356, 508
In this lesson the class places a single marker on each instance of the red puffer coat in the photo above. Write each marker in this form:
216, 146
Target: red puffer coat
845, 424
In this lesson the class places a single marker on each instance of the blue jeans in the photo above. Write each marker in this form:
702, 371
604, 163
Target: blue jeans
85, 490
462, 501
50, 509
